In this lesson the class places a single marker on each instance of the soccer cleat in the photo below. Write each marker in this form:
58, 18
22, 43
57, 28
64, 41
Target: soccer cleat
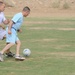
10, 54
1, 57
19, 58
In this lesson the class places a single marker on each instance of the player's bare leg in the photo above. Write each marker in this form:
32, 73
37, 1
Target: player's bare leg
5, 49
9, 53
18, 57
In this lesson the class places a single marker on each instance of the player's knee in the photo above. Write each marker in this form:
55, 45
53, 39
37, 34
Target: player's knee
18, 43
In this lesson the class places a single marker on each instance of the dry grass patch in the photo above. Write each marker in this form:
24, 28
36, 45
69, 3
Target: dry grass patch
66, 28
43, 40
47, 28
63, 54
39, 22
61, 46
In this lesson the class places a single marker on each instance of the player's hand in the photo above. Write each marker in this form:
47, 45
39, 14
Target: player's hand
9, 32
2, 26
8, 21
19, 30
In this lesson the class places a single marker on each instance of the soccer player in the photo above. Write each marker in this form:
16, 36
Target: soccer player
3, 20
11, 33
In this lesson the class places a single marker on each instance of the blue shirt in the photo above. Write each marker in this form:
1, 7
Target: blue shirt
18, 20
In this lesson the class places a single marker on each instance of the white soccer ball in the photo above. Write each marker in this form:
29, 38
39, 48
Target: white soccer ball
26, 52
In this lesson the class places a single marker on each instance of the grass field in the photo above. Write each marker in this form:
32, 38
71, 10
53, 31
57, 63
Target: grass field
52, 43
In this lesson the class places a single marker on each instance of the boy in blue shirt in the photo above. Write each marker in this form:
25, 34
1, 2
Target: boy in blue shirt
11, 33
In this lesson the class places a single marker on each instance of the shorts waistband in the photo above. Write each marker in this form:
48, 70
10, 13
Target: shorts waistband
14, 28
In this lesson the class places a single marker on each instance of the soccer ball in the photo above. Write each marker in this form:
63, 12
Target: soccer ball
26, 52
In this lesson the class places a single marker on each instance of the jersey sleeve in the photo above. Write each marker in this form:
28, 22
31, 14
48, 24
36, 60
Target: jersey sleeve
16, 18
3, 17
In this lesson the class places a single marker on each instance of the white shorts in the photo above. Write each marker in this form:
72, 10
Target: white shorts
2, 33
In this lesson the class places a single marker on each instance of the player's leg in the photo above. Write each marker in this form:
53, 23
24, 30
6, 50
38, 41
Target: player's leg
9, 39
2, 37
8, 46
18, 44
9, 53
18, 57
5, 49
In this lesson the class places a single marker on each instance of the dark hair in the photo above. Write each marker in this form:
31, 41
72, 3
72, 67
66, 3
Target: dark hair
26, 9
1, 2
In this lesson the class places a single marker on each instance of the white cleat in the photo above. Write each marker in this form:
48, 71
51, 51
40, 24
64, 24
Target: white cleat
19, 58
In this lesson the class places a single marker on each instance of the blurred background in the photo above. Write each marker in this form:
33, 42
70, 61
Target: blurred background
42, 8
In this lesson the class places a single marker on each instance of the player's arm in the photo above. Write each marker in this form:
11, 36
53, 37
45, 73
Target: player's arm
13, 21
10, 26
5, 21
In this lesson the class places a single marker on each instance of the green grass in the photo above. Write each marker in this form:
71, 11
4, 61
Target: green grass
52, 44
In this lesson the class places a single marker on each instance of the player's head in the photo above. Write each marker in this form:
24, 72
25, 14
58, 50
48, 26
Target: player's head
2, 6
26, 11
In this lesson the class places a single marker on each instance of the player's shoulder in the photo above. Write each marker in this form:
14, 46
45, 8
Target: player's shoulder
18, 14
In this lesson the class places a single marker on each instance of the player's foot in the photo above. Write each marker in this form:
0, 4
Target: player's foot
10, 54
19, 58
1, 57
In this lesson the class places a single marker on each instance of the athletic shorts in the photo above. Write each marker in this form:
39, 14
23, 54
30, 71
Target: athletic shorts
11, 38
2, 33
